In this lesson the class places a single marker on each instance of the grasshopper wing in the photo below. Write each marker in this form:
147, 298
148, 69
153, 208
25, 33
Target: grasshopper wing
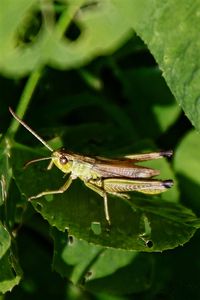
122, 168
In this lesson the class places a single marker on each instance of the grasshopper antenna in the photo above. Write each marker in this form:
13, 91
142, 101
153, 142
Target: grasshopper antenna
30, 130
36, 160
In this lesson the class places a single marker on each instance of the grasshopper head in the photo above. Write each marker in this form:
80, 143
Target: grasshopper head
62, 160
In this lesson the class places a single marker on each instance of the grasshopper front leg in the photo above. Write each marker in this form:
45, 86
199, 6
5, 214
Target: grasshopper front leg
61, 190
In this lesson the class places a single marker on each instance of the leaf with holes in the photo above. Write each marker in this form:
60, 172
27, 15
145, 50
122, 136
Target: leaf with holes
143, 223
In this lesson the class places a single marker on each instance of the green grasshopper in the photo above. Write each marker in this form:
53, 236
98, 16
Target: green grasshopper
104, 175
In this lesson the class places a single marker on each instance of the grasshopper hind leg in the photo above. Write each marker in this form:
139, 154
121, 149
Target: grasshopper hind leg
103, 194
120, 195
105, 200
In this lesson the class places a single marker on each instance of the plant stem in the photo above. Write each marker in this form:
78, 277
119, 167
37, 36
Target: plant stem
25, 100
33, 80
66, 17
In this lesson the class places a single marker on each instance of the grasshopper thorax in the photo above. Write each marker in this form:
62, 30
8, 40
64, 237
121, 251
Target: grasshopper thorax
63, 160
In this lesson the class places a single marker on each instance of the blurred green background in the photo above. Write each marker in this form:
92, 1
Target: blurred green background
102, 78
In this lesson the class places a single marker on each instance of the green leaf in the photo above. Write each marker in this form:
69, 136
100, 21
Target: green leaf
99, 269
171, 32
101, 31
143, 223
11, 206
11, 273
5, 170
5, 240
72, 256
186, 164
150, 101
35, 255
15, 12
176, 273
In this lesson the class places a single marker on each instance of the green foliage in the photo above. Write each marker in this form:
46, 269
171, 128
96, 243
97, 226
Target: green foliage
170, 32
89, 266
92, 86
187, 168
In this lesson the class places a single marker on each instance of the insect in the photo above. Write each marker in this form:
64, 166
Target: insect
104, 175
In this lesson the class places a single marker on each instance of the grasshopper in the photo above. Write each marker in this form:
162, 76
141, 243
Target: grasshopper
104, 175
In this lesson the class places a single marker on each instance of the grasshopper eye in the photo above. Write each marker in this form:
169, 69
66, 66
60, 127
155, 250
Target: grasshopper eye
63, 160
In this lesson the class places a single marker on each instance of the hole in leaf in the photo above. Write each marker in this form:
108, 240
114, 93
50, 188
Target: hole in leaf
96, 228
88, 274
73, 32
29, 28
149, 244
38, 206
70, 239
